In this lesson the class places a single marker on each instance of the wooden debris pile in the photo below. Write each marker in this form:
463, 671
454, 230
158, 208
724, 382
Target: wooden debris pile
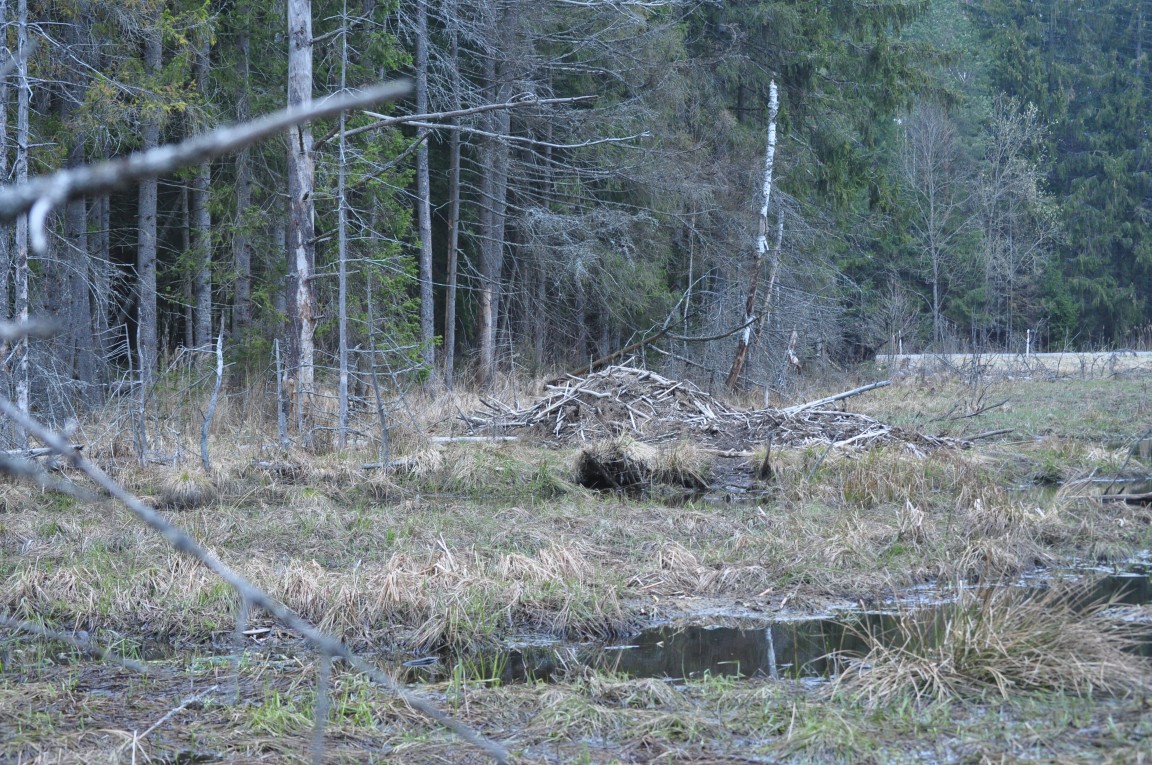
614, 401
623, 400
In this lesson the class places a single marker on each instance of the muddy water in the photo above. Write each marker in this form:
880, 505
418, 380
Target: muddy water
796, 649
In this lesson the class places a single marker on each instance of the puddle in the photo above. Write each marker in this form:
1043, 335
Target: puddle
792, 649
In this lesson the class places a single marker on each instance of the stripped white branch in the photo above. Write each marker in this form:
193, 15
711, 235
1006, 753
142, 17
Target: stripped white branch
525, 139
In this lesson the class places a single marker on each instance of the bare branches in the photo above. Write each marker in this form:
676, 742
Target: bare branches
514, 103
327, 646
530, 141
40, 196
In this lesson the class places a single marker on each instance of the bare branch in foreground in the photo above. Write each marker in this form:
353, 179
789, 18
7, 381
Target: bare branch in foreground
41, 195
182, 541
25, 467
63, 637
11, 331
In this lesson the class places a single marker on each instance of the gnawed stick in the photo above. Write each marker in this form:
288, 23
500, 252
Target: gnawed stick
989, 434
793, 410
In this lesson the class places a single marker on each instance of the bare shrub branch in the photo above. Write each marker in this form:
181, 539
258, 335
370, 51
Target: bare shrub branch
327, 645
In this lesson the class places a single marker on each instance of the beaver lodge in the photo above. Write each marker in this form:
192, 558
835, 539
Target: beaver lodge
638, 428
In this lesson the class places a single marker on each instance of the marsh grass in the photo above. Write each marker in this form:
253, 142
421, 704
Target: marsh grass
1000, 640
53, 714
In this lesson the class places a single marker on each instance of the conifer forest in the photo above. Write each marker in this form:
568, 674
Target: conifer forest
726, 187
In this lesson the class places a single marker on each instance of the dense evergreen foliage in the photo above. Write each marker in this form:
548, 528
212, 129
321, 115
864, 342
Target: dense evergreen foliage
948, 174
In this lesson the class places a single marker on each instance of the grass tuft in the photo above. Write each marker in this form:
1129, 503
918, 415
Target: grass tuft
185, 490
999, 639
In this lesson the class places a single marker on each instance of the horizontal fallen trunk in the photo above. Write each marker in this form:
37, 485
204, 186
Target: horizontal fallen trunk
40, 452
1129, 499
793, 410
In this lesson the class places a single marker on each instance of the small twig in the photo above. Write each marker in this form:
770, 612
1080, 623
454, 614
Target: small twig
175, 711
819, 462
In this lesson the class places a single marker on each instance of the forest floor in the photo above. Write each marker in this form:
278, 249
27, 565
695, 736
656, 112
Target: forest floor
463, 548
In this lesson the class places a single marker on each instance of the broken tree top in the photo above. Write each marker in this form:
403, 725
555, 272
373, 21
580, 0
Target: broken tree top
623, 400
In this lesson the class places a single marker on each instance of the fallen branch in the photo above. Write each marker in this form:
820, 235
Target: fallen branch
605, 360
1131, 499
42, 451
950, 417
249, 593
468, 439
794, 410
989, 434
388, 121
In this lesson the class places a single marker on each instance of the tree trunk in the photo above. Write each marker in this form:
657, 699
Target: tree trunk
187, 285
342, 253
241, 251
75, 258
202, 216
453, 229
453, 260
423, 204
146, 212
5, 238
494, 202
745, 338
21, 176
301, 208
100, 295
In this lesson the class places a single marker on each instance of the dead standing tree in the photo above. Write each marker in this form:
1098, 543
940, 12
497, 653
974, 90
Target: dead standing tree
745, 338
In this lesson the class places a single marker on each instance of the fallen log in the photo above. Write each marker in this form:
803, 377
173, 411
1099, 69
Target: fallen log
794, 410
1128, 499
988, 434
42, 451
469, 439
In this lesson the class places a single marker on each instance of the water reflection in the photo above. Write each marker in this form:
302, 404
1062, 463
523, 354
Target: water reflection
796, 649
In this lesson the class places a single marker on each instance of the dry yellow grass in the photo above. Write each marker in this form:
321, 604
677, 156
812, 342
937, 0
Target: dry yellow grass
1004, 640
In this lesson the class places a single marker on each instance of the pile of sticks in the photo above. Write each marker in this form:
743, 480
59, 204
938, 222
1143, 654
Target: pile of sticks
621, 400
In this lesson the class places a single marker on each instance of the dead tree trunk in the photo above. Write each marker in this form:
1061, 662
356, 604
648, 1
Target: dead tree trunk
342, 253
146, 247
423, 204
301, 207
241, 250
21, 172
745, 338
202, 218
